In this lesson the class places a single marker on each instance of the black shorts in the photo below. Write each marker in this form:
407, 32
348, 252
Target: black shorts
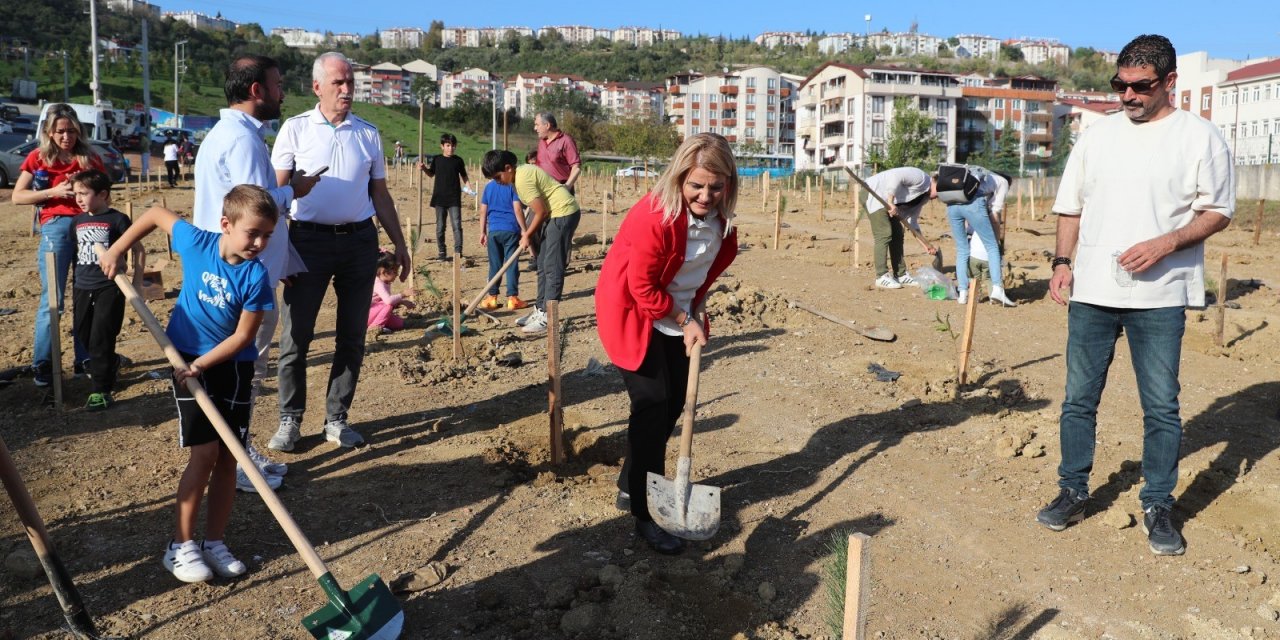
229, 385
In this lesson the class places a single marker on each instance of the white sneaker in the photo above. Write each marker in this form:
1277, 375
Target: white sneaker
998, 297
244, 484
265, 464
219, 558
906, 280
340, 433
535, 326
963, 298
886, 281
533, 315
186, 563
286, 435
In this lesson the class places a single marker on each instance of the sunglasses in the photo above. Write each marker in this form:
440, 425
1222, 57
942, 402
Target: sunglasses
1141, 86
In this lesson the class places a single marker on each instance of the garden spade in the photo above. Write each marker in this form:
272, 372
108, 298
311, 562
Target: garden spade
367, 612
936, 262
689, 511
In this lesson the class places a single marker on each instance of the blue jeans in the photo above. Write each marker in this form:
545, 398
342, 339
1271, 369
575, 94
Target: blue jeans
502, 245
56, 235
1155, 344
975, 213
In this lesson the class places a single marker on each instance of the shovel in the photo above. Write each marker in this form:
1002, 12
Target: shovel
689, 511
937, 256
445, 325
368, 611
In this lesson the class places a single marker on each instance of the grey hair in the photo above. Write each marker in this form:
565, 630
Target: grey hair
549, 119
317, 69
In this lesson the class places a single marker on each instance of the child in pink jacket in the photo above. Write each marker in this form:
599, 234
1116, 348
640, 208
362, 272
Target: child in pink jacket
382, 307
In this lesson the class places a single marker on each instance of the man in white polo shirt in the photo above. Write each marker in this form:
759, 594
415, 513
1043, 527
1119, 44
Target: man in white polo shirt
1141, 192
333, 232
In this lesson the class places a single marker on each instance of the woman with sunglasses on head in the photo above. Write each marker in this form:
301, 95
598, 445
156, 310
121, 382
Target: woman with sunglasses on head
45, 183
650, 303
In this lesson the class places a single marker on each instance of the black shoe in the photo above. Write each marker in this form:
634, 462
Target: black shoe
623, 503
658, 539
43, 375
1163, 539
442, 258
1068, 507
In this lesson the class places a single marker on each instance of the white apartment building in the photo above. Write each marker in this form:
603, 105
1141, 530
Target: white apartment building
906, 44
1079, 114
1041, 51
134, 6
1198, 74
976, 46
524, 86
643, 36
843, 111
579, 34
774, 39
1247, 110
421, 67
344, 38
752, 104
475, 80
299, 38
833, 43
401, 38
460, 37
632, 99
199, 20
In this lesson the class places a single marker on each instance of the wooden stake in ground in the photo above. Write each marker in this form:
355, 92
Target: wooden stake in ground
55, 335
1033, 200
604, 221
1019, 209
553, 382
857, 227
856, 589
1219, 338
457, 308
822, 202
764, 189
777, 221
808, 193
415, 239
1257, 226
128, 210
966, 339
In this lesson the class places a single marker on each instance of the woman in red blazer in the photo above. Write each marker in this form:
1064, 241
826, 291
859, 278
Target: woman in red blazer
650, 304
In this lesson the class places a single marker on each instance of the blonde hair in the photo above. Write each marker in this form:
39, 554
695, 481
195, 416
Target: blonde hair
49, 150
708, 151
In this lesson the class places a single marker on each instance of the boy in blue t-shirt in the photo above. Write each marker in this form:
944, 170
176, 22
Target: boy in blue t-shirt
501, 226
224, 295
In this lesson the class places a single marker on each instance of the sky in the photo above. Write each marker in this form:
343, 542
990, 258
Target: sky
1238, 29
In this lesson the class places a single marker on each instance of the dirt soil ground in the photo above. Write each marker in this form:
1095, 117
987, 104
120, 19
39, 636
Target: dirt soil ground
805, 442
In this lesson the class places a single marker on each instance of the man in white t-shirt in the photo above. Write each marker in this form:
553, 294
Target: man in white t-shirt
906, 189
1141, 192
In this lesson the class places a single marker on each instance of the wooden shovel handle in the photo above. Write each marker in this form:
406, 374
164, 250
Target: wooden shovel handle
299, 540
471, 308
690, 402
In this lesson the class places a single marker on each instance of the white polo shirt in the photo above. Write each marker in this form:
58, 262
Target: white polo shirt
352, 149
1133, 182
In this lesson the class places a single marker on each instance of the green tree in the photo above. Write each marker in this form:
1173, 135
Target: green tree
1062, 144
1012, 54
576, 114
911, 141
642, 138
425, 88
435, 36
1007, 152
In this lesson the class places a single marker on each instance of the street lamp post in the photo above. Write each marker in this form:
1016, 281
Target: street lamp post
867, 41
179, 67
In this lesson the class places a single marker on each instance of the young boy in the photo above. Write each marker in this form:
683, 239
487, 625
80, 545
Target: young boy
224, 295
501, 226
549, 233
99, 304
451, 182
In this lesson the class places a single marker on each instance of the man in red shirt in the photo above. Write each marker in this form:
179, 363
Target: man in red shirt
557, 152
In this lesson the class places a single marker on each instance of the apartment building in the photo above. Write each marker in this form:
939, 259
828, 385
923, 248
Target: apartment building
523, 87
775, 39
1198, 74
1247, 110
909, 43
833, 43
1022, 106
748, 105
344, 38
844, 111
203, 21
976, 46
453, 37
1078, 114
579, 34
643, 36
474, 80
632, 99
299, 38
146, 9
401, 38
1041, 51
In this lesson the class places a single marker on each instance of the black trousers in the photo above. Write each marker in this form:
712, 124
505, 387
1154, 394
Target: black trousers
657, 391
171, 171
99, 313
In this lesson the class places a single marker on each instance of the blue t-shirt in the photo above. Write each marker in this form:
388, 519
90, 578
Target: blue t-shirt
213, 294
500, 199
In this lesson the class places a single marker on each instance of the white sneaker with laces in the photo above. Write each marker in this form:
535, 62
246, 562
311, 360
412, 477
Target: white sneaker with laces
906, 280
340, 433
886, 281
219, 558
532, 315
265, 464
244, 484
186, 563
536, 325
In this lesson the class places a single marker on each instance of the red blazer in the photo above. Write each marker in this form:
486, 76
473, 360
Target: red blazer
632, 291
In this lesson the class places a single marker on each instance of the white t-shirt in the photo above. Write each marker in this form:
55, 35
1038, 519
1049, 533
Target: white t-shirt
352, 149
903, 184
1133, 182
171, 152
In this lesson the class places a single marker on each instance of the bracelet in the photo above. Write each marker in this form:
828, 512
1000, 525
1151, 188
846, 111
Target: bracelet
1059, 261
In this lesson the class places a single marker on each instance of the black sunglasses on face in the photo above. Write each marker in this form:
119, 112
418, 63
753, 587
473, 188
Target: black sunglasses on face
1141, 86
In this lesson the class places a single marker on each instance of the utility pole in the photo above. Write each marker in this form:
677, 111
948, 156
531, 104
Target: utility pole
493, 95
179, 67
66, 79
93, 34
146, 102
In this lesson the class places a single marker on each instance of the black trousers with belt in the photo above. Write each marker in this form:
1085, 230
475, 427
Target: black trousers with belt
657, 391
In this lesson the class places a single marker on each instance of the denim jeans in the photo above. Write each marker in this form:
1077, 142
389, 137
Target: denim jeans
502, 245
350, 261
452, 215
975, 213
1155, 344
553, 256
56, 235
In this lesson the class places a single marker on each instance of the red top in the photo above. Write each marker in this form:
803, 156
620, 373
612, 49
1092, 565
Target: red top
58, 174
558, 156
632, 291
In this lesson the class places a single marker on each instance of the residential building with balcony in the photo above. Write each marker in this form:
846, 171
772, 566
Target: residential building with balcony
976, 46
751, 105
643, 36
579, 34
401, 38
202, 21
909, 43
1021, 106
140, 7
1247, 111
299, 38
521, 89
1078, 114
454, 37
344, 38
843, 112
833, 43
1041, 51
1198, 74
775, 39
475, 80
624, 100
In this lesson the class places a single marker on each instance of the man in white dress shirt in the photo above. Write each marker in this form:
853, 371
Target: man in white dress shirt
333, 232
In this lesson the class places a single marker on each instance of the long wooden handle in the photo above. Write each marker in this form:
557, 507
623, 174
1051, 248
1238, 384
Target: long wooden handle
475, 302
55, 324
690, 402
919, 236
299, 540
966, 340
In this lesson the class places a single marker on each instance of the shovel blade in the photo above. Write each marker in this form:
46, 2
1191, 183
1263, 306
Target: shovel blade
368, 612
685, 510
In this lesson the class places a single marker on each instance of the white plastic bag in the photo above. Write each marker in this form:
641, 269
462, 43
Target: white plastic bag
934, 284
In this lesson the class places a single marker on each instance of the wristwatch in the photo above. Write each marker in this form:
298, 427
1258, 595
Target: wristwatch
688, 317
1059, 261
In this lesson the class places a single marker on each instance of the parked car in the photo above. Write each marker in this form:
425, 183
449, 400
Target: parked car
117, 166
11, 157
637, 171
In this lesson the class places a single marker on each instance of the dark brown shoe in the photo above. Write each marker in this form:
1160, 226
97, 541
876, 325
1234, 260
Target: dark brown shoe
658, 539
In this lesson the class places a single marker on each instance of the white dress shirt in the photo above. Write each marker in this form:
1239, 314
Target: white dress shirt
351, 149
700, 252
